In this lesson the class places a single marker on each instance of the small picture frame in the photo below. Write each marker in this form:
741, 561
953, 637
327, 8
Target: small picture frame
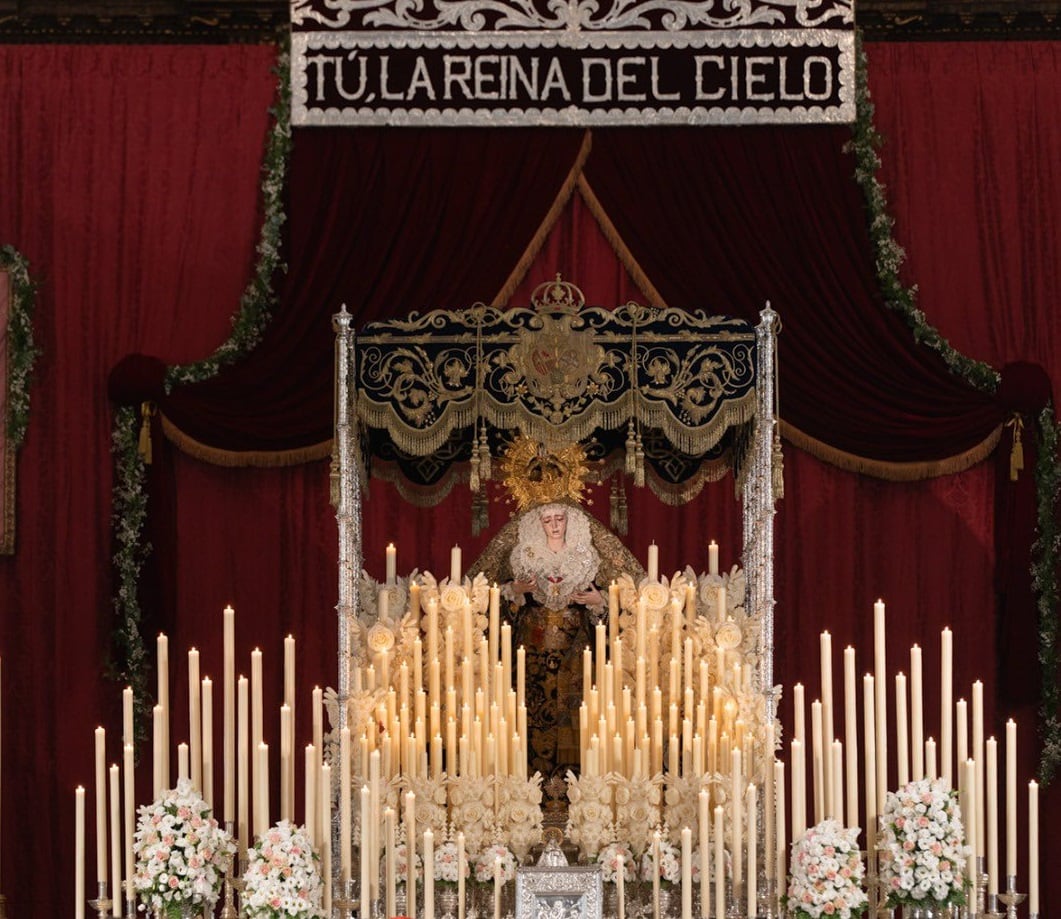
559, 892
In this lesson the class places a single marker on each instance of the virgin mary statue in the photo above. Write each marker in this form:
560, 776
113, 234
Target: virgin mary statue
553, 561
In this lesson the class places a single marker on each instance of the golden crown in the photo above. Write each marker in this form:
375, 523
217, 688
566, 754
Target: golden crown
535, 474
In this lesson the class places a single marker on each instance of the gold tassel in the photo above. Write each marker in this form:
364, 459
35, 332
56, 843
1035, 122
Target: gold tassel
484, 455
147, 411
474, 483
1016, 453
639, 464
622, 524
631, 446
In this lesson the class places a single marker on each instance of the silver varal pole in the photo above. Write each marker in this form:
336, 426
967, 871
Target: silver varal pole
348, 512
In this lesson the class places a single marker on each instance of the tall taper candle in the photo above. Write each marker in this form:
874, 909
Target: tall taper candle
978, 759
288, 777
129, 800
498, 881
851, 736
704, 815
228, 741
79, 852
1011, 798
779, 842
158, 737
655, 875
243, 763
195, 726
367, 857
309, 806
752, 898
946, 707
687, 873
870, 761
799, 791
822, 808
429, 874
720, 864
462, 865
902, 750
828, 733
390, 823
1033, 848
345, 825
162, 656
991, 789
101, 806
880, 682
620, 885
410, 854
116, 840
325, 821
127, 715
917, 716
207, 744
968, 799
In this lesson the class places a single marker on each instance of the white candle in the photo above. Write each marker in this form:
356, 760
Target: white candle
101, 806
158, 738
309, 806
1033, 848
162, 656
870, 761
243, 763
687, 873
978, 759
183, 767
753, 856
127, 715
497, 888
991, 787
779, 841
367, 856
902, 750
653, 563
207, 744
720, 866
390, 819
817, 758
228, 740
880, 682
826, 652
116, 841
737, 818
931, 770
392, 564
79, 852
287, 777
968, 799
325, 797
655, 875
799, 792
712, 557
410, 854
917, 716
195, 727
261, 773
946, 707
620, 884
129, 800
462, 867
455, 565
705, 852
429, 874
1011, 798
851, 736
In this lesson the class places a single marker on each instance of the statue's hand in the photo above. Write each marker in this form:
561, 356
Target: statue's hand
590, 597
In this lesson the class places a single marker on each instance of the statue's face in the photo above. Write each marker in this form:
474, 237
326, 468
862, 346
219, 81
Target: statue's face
555, 524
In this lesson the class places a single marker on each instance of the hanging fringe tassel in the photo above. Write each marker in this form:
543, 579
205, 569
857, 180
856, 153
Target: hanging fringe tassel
639, 463
147, 411
631, 446
474, 481
1016, 453
484, 455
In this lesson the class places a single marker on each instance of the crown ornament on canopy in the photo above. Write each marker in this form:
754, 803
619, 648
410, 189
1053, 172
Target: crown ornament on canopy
558, 296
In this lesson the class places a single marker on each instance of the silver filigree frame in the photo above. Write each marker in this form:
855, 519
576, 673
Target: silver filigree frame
559, 893
303, 44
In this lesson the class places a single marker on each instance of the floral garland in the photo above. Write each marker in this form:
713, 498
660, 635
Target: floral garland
22, 352
181, 853
129, 499
923, 845
282, 878
1044, 583
889, 255
827, 873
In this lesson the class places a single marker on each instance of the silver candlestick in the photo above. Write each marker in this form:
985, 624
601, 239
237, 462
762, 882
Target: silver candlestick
1011, 898
102, 903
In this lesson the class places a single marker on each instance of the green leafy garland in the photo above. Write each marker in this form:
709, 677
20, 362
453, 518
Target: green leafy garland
129, 501
255, 311
22, 351
889, 255
1044, 583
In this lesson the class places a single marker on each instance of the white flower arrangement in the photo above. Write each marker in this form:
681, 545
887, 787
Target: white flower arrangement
181, 852
826, 874
447, 866
670, 863
282, 878
484, 864
923, 845
401, 864
611, 856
